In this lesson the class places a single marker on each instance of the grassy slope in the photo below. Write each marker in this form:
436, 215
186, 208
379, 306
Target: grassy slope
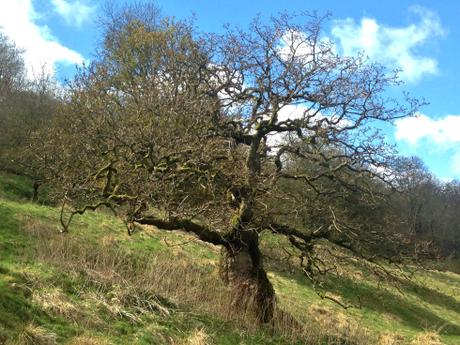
41, 296
26, 282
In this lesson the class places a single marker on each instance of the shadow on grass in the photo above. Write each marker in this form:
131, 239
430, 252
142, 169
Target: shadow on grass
445, 277
17, 311
385, 301
20, 188
430, 295
11, 238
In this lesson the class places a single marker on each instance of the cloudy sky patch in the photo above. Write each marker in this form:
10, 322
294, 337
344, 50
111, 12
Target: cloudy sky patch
74, 12
393, 46
42, 50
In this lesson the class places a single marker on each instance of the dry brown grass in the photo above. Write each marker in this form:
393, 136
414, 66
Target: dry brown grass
427, 338
391, 339
335, 328
55, 301
35, 335
128, 285
120, 280
87, 340
198, 337
150, 282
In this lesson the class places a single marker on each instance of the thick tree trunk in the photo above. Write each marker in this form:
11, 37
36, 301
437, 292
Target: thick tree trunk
35, 187
243, 267
242, 264
244, 271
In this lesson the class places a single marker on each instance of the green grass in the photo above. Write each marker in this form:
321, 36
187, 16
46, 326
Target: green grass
35, 292
19, 188
14, 187
23, 277
430, 301
19, 274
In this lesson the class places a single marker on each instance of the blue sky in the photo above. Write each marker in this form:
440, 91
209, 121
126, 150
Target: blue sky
420, 37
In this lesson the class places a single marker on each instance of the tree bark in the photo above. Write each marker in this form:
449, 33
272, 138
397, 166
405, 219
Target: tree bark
242, 265
35, 187
243, 270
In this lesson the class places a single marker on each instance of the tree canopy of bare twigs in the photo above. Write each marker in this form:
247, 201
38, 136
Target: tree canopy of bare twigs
226, 136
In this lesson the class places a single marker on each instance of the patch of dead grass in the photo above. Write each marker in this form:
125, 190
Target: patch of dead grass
88, 340
427, 338
56, 302
389, 338
198, 337
35, 335
127, 286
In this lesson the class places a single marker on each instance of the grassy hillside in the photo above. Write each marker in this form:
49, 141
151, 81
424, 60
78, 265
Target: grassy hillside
97, 285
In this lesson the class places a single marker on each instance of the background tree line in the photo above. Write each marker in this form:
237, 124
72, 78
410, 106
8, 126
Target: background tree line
26, 106
183, 130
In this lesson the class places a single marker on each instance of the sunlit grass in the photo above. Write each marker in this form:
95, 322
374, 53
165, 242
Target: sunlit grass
79, 286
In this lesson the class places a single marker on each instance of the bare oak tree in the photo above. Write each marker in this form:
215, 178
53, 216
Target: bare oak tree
227, 136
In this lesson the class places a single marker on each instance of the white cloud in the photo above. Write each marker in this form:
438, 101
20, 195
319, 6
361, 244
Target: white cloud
295, 43
393, 46
74, 13
437, 139
301, 111
41, 49
443, 131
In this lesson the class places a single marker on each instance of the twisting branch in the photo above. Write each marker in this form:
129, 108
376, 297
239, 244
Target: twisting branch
202, 232
66, 223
